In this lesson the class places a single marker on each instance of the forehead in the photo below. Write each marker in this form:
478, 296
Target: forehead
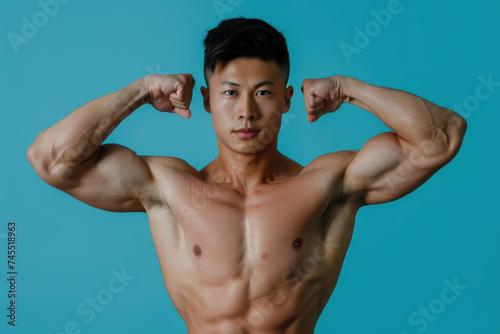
243, 70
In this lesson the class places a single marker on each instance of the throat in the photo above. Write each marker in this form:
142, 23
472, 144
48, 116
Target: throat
243, 172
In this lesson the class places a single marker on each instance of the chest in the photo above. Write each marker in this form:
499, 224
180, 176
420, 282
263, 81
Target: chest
267, 231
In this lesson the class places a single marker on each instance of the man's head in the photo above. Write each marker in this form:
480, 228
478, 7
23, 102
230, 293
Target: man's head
245, 38
246, 68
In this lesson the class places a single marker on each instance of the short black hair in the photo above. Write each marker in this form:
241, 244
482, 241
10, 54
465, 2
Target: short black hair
245, 38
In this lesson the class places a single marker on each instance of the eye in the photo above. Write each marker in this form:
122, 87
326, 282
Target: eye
230, 92
263, 92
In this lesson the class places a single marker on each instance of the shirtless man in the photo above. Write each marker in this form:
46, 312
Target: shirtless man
253, 242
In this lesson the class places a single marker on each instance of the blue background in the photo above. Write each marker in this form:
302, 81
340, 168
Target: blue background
401, 252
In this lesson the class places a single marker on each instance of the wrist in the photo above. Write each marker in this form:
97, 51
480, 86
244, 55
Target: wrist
351, 89
136, 94
344, 87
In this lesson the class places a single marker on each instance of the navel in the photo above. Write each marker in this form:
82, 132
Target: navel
297, 244
197, 250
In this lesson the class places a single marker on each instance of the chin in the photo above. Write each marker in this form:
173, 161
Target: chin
249, 149
248, 146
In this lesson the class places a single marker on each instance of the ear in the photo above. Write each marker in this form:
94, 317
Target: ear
288, 99
206, 98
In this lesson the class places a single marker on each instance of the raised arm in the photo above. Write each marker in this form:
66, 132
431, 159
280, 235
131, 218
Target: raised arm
390, 165
70, 156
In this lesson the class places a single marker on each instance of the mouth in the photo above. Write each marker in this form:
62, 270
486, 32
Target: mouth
246, 133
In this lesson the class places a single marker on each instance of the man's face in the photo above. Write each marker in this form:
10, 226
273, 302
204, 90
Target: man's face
247, 98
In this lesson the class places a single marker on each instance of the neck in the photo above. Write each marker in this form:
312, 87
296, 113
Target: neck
243, 171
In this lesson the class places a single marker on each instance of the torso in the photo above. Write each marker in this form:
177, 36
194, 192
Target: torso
263, 262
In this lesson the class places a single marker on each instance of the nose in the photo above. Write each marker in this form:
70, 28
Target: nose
247, 108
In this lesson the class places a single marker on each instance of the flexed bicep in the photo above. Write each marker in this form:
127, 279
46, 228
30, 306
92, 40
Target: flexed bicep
113, 179
425, 137
388, 167
70, 156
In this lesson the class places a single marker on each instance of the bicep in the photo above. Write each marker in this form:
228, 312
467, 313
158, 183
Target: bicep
388, 167
113, 179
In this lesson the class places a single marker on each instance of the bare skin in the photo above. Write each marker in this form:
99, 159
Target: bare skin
253, 242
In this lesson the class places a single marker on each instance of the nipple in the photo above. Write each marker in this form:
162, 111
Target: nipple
297, 244
197, 250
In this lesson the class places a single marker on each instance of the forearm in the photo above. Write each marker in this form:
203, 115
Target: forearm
75, 138
412, 118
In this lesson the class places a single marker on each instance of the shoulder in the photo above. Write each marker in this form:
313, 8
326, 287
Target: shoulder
170, 176
161, 165
328, 172
336, 162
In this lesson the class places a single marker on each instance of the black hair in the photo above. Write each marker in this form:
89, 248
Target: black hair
245, 38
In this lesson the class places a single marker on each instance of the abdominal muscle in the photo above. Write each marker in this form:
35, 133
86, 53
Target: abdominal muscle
283, 307
244, 293
258, 265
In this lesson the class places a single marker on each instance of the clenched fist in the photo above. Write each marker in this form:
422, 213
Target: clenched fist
171, 93
322, 96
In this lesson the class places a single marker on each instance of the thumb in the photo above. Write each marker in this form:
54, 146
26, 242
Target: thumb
313, 101
184, 113
181, 98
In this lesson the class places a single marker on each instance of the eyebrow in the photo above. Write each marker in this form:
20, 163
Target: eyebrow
265, 82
